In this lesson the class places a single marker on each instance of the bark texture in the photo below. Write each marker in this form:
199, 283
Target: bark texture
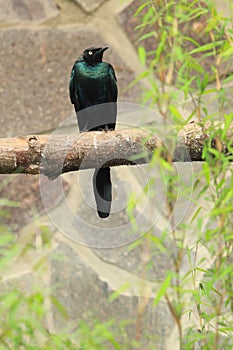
56, 154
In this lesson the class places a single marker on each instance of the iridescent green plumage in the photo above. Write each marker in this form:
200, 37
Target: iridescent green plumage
93, 92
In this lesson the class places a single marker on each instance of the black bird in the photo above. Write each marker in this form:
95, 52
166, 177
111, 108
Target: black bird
93, 91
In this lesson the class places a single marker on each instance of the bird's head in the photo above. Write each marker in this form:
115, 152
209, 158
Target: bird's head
94, 54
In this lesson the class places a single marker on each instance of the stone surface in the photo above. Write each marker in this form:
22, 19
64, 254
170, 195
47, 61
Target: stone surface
130, 259
35, 68
24, 190
89, 5
86, 297
211, 102
27, 10
223, 7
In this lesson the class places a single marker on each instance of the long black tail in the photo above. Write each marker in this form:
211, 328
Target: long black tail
103, 191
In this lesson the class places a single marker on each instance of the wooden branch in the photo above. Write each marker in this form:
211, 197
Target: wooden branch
56, 154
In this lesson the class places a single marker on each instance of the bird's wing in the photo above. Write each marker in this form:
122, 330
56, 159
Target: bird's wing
112, 72
114, 90
71, 85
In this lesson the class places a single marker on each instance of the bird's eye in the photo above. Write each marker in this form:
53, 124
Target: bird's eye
90, 53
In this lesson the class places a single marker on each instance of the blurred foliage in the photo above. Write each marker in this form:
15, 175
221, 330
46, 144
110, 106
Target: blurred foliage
186, 48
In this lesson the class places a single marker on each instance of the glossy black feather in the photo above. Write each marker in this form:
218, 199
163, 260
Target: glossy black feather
102, 191
93, 92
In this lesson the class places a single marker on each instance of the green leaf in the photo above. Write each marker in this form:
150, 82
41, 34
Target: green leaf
118, 292
136, 80
204, 83
6, 239
142, 55
161, 45
206, 170
9, 203
225, 329
227, 53
227, 123
195, 214
191, 40
228, 79
134, 245
163, 288
146, 36
178, 118
59, 306
140, 8
207, 47
132, 202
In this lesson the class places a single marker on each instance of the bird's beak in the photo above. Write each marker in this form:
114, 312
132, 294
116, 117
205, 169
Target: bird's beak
104, 48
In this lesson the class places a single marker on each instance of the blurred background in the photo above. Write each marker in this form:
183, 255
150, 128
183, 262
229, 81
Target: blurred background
58, 293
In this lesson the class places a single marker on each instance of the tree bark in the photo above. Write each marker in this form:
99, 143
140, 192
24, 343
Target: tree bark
56, 154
